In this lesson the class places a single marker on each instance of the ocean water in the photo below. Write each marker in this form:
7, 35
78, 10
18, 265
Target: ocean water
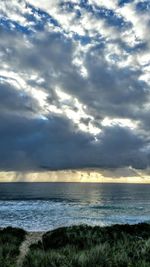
45, 206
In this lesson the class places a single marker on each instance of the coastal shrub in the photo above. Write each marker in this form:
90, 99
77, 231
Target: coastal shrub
86, 246
84, 236
10, 240
79, 236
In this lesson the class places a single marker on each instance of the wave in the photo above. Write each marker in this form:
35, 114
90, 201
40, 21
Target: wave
111, 207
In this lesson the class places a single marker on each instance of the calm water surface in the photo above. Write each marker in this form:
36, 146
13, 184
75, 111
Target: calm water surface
45, 206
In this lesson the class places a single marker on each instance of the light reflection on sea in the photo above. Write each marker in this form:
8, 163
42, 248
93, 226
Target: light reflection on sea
45, 206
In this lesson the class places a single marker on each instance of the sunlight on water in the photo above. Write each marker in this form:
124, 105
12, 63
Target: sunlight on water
44, 206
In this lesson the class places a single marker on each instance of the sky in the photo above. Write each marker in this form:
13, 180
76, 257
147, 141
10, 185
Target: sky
75, 90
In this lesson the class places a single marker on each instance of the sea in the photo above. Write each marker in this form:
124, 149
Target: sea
46, 206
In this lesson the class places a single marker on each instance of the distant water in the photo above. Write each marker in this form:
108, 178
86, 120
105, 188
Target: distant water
45, 206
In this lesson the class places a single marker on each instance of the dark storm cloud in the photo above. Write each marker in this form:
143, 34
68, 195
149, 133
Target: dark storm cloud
31, 144
123, 147
36, 128
14, 100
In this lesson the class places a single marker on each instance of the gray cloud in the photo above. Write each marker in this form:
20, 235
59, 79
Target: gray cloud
57, 90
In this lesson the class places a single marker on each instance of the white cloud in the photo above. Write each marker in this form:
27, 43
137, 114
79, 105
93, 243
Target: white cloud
105, 3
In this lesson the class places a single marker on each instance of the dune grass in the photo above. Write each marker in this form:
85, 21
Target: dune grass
10, 240
85, 246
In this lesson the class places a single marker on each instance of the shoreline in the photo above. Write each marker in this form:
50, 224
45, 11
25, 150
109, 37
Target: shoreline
36, 232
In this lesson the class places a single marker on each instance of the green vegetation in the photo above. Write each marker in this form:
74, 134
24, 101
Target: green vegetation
85, 246
80, 246
10, 240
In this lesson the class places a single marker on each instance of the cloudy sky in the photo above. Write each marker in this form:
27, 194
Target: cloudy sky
75, 86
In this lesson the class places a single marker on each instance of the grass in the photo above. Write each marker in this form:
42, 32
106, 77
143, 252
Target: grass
81, 246
85, 246
10, 240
